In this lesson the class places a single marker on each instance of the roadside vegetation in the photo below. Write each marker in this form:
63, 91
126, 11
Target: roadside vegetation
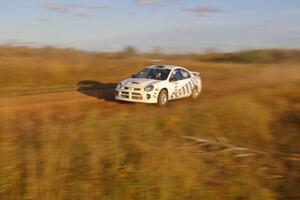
240, 140
253, 56
27, 70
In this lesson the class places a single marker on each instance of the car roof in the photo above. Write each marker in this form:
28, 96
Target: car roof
164, 66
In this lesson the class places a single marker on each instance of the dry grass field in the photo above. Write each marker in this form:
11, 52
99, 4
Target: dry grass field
62, 136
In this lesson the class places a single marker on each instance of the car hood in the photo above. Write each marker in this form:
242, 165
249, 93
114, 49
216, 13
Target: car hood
139, 82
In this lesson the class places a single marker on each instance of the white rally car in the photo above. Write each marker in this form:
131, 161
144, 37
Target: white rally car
158, 84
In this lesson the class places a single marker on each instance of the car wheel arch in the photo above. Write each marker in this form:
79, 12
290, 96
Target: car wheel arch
197, 87
166, 89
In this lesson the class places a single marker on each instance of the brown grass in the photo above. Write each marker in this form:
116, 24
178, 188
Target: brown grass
70, 146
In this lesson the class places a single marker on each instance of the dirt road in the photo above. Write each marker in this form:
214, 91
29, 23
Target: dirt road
102, 98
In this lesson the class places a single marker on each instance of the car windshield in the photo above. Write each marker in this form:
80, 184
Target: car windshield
153, 73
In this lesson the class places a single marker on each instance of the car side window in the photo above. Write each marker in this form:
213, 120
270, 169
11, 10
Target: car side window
184, 74
176, 75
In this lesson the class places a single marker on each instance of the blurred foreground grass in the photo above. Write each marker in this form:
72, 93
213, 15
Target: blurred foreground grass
139, 151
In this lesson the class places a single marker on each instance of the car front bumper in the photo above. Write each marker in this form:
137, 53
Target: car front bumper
136, 96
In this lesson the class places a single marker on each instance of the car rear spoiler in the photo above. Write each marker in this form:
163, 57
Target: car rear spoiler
196, 73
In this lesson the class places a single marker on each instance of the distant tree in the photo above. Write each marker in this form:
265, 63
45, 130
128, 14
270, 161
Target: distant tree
129, 50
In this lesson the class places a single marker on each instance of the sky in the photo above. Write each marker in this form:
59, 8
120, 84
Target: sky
165, 25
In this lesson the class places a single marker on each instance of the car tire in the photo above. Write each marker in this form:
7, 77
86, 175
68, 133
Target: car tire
195, 93
162, 98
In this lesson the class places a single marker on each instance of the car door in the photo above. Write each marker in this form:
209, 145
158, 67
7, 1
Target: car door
185, 83
174, 84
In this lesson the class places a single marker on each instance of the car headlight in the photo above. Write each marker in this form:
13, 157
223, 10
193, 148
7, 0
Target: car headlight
119, 86
149, 88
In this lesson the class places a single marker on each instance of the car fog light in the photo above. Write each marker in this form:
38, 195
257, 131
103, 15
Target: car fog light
148, 96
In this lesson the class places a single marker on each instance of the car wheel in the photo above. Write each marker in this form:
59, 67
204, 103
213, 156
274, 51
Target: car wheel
162, 99
195, 93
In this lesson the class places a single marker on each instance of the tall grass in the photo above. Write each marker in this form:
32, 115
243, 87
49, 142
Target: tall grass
78, 150
130, 155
